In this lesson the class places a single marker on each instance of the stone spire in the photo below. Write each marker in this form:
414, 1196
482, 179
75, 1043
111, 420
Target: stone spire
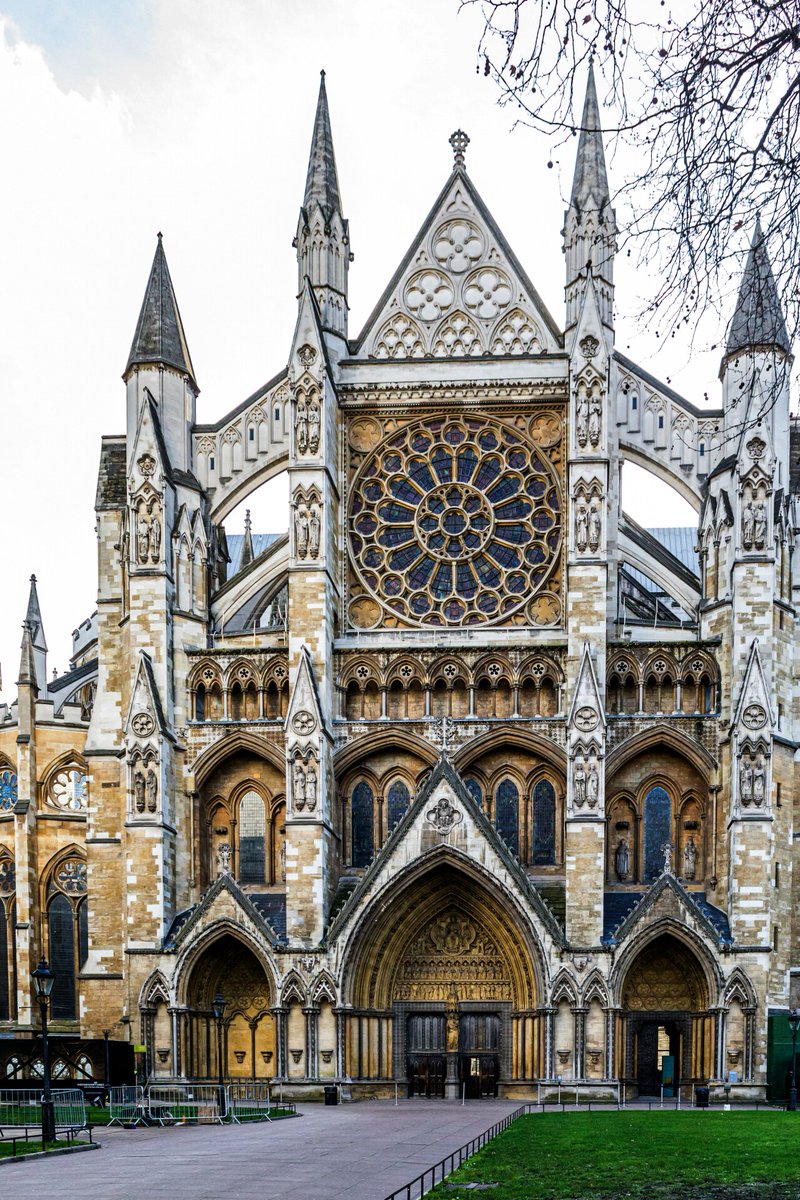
758, 319
322, 240
33, 619
247, 549
590, 181
159, 336
27, 660
322, 184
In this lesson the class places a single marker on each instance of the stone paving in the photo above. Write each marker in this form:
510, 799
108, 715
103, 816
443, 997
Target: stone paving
359, 1151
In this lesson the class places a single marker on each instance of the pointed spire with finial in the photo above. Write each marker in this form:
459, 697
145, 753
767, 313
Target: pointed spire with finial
758, 318
590, 182
459, 142
322, 182
159, 336
27, 660
33, 619
247, 548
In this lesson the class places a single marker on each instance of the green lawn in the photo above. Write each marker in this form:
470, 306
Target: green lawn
637, 1155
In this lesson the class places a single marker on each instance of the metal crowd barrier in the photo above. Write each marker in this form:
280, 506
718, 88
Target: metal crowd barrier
69, 1108
22, 1107
249, 1102
188, 1102
126, 1106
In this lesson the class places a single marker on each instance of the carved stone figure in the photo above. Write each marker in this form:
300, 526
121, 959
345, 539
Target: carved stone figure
595, 419
760, 524
748, 525
299, 785
667, 848
746, 782
139, 790
689, 859
313, 426
595, 525
311, 787
582, 418
301, 532
579, 785
224, 858
581, 523
301, 425
592, 786
155, 538
313, 531
759, 782
622, 860
143, 539
452, 1031
152, 791
282, 860
443, 816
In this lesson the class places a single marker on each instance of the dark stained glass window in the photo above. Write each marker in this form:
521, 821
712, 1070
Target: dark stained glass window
61, 922
657, 828
543, 848
398, 799
474, 789
83, 934
363, 804
506, 814
5, 964
252, 839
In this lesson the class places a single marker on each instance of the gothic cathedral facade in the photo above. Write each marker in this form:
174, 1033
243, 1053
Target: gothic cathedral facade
467, 781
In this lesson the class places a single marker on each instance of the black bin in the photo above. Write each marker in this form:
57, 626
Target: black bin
701, 1097
331, 1095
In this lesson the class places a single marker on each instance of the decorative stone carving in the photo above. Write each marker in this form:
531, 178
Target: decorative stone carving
760, 524
582, 417
155, 538
754, 716
756, 447
311, 787
586, 718
301, 425
299, 785
563, 1057
142, 539
689, 859
314, 525
304, 723
147, 465
429, 295
143, 724
592, 786
667, 849
759, 782
139, 791
307, 355
595, 525
746, 782
152, 791
581, 523
457, 245
622, 860
595, 419
579, 784
301, 532
314, 421
444, 816
487, 292
224, 858
589, 346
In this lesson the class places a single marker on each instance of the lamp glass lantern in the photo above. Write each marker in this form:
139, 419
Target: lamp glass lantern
44, 979
218, 1005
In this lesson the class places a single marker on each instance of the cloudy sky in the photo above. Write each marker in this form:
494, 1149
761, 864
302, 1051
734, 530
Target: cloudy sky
123, 117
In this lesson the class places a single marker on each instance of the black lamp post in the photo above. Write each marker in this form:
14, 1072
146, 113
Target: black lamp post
107, 1064
44, 979
794, 1022
218, 1005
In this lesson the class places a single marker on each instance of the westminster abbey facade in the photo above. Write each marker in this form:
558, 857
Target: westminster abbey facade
465, 779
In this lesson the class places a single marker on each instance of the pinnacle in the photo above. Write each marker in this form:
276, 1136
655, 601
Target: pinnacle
590, 182
159, 336
322, 183
758, 317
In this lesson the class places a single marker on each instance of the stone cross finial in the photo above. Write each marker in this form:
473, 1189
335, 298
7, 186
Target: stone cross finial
443, 730
459, 141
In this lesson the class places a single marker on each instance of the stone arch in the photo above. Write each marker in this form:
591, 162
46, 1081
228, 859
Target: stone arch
475, 748
667, 927
595, 988
202, 940
293, 989
738, 986
661, 734
154, 988
564, 987
324, 988
241, 739
361, 748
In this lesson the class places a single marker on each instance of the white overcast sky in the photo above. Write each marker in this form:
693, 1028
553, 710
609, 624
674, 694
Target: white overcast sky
194, 117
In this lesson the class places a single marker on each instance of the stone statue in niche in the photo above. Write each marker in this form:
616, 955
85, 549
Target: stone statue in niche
622, 860
452, 1029
313, 531
282, 859
759, 782
592, 786
760, 524
152, 791
139, 791
142, 538
301, 425
748, 525
581, 523
690, 859
224, 858
746, 782
582, 418
313, 426
311, 787
155, 538
595, 525
579, 785
301, 532
595, 419
299, 785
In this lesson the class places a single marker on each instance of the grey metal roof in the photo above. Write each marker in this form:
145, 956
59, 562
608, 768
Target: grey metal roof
758, 319
261, 542
681, 541
111, 476
159, 336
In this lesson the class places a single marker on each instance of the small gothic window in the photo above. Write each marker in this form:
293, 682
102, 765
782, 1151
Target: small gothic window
660, 421
8, 789
474, 789
200, 703
702, 449
657, 829
69, 790
363, 833
61, 924
543, 848
13, 1066
212, 462
277, 414
252, 839
85, 1069
5, 965
506, 814
398, 803
251, 434
634, 402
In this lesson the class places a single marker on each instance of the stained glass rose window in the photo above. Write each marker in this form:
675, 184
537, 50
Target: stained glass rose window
8, 789
69, 790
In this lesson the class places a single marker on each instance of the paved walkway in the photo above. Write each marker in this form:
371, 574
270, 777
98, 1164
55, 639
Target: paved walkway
357, 1151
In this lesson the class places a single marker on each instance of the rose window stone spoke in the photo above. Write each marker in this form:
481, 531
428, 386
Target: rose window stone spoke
69, 790
455, 522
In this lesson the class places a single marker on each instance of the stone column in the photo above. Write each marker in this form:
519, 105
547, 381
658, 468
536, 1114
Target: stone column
280, 1014
311, 1015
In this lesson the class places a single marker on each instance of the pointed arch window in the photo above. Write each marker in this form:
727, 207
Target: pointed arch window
398, 800
657, 830
475, 790
506, 814
8, 957
8, 789
362, 820
252, 839
68, 790
61, 926
543, 845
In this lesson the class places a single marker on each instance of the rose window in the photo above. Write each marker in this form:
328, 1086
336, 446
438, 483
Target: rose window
429, 294
455, 522
69, 790
487, 292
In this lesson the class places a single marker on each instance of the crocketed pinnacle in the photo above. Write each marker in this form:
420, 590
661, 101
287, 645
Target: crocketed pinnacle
159, 336
322, 183
590, 182
247, 547
758, 319
27, 660
33, 618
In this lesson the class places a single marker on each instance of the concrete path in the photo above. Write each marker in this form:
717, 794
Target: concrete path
357, 1151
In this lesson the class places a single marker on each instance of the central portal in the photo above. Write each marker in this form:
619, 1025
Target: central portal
478, 1054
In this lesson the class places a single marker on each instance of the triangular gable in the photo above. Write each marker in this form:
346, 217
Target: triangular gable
308, 332
149, 443
445, 814
586, 710
669, 898
224, 900
304, 715
589, 338
753, 710
146, 702
460, 291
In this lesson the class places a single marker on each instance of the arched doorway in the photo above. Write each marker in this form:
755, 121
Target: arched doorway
443, 987
231, 968
670, 1035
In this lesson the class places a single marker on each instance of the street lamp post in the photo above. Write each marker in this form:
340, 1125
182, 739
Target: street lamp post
794, 1022
44, 979
218, 1006
107, 1064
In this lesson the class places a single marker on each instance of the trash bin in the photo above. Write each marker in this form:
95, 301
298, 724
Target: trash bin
701, 1097
331, 1095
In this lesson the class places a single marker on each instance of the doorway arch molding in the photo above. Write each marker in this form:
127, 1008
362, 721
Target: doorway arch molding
204, 940
692, 941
